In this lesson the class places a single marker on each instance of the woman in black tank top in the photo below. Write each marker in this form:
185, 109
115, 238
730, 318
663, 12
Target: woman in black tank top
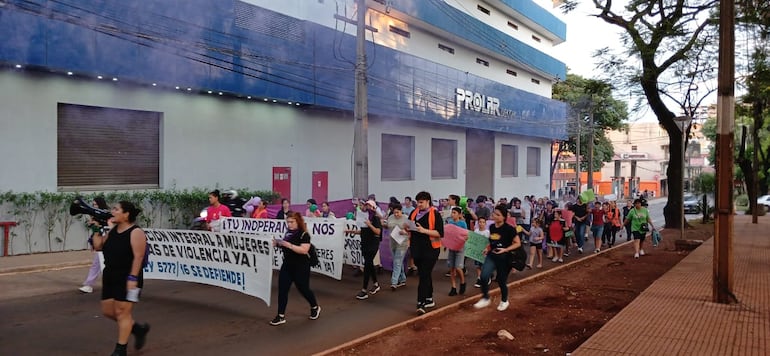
124, 248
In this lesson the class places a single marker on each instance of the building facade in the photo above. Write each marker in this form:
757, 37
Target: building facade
173, 94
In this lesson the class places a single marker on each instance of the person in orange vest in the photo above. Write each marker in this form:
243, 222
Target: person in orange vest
425, 244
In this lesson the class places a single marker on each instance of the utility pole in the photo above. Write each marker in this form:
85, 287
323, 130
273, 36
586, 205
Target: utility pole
577, 157
360, 141
590, 183
722, 283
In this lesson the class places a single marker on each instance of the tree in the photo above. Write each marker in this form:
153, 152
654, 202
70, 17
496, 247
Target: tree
673, 44
588, 97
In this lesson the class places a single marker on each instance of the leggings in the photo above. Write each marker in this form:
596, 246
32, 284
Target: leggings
425, 261
298, 274
369, 270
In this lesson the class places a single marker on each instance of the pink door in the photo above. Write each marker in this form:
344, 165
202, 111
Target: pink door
321, 186
282, 182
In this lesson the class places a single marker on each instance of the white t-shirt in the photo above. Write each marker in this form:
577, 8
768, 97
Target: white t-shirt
526, 213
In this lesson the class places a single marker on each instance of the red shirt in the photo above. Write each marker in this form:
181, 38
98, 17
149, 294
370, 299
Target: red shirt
598, 215
214, 213
556, 230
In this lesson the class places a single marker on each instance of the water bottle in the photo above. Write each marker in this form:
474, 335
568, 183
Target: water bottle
133, 295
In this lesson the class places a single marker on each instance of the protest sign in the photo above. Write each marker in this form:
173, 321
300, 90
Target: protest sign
454, 237
234, 261
351, 254
587, 196
328, 236
475, 246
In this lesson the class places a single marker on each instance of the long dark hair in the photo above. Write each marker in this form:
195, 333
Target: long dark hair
101, 203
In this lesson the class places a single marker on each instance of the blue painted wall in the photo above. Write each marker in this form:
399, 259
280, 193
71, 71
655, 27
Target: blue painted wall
239, 48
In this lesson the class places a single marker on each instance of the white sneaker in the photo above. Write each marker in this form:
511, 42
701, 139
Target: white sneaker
636, 255
555, 259
641, 252
580, 250
86, 289
482, 303
502, 306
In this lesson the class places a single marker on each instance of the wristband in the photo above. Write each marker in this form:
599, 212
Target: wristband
132, 278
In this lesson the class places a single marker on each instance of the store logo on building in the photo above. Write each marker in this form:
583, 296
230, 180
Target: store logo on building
469, 100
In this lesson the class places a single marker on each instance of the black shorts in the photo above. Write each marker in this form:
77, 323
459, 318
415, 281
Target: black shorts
114, 285
537, 245
639, 235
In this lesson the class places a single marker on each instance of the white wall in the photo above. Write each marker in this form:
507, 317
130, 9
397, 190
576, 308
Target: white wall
206, 141
522, 185
423, 135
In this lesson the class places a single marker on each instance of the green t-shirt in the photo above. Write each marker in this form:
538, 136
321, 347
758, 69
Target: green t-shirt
638, 218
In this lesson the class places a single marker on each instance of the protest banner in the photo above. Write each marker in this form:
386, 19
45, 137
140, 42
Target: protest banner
328, 236
587, 196
475, 246
233, 261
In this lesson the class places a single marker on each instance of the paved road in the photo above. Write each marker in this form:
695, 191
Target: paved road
42, 313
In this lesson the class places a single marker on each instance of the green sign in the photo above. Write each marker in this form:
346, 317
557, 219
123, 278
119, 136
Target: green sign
587, 196
475, 246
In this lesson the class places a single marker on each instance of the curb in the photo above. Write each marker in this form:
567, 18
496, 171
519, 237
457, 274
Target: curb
44, 267
456, 305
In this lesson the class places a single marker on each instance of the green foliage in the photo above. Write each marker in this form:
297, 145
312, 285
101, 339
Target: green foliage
50, 210
742, 200
705, 183
586, 97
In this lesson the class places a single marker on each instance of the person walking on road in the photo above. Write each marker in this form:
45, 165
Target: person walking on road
425, 244
641, 224
124, 249
502, 240
580, 219
371, 235
295, 268
398, 250
96, 264
626, 211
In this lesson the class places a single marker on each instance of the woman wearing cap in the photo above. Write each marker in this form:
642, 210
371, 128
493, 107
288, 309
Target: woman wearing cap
639, 217
371, 235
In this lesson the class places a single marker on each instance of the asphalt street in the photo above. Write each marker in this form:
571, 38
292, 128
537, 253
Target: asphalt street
43, 313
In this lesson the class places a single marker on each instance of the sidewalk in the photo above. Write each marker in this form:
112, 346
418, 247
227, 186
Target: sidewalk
45, 261
675, 315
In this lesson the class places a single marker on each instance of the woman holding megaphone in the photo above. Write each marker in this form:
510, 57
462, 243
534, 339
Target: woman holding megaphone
124, 249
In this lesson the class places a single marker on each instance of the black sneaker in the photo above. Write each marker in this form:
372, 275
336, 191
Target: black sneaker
462, 288
278, 320
478, 283
453, 292
421, 308
315, 312
429, 303
362, 295
140, 334
375, 288
401, 284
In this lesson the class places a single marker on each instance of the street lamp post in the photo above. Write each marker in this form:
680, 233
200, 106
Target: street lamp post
684, 123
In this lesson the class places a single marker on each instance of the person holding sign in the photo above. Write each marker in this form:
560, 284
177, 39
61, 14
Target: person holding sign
399, 243
216, 211
124, 249
371, 235
295, 268
502, 240
425, 244
456, 258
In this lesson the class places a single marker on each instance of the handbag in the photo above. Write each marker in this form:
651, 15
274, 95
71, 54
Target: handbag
519, 258
312, 254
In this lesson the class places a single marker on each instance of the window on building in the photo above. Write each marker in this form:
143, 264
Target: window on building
400, 31
533, 161
446, 48
443, 154
634, 148
537, 39
536, 81
100, 147
511, 72
483, 9
397, 157
513, 25
482, 62
509, 161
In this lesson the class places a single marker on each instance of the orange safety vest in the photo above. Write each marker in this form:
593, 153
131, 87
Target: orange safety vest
435, 242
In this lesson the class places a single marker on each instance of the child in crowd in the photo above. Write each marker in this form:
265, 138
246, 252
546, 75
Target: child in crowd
536, 243
481, 229
456, 259
558, 240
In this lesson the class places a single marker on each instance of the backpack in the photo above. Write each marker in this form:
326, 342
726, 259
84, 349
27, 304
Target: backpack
312, 254
519, 258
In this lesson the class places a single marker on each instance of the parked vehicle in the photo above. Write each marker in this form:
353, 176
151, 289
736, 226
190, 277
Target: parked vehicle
764, 200
691, 204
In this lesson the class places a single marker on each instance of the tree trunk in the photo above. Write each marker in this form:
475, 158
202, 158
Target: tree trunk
748, 171
672, 212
